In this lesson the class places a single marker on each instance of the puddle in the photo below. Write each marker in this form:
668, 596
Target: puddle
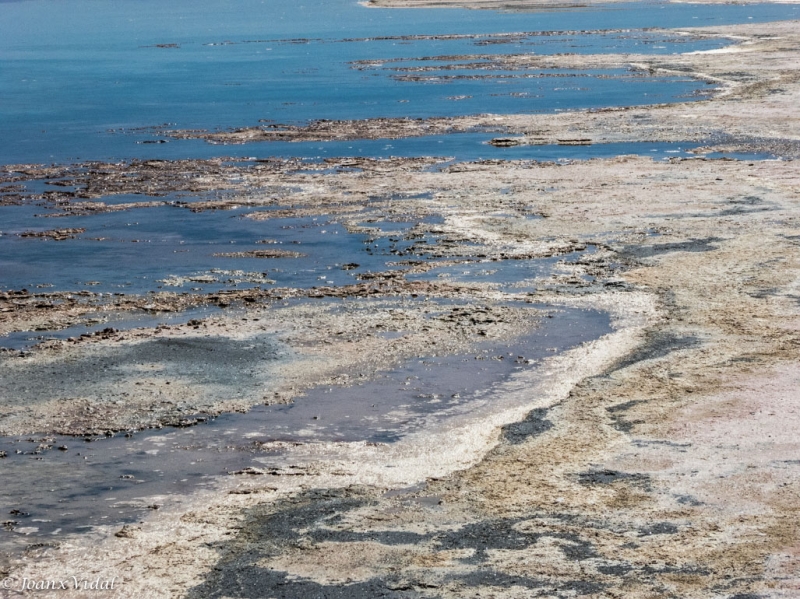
519, 274
114, 480
173, 249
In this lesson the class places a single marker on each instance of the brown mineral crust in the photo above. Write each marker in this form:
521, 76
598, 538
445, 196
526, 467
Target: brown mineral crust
234, 182
70, 208
54, 234
145, 177
260, 254
23, 310
330, 130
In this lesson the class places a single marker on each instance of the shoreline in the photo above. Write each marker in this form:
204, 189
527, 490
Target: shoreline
527, 5
652, 476
606, 125
205, 515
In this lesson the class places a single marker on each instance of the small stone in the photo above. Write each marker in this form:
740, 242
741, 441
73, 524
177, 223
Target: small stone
127, 532
506, 142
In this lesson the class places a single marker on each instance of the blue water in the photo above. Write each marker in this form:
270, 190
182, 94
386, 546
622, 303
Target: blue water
459, 147
78, 78
72, 71
449, 147
84, 80
132, 252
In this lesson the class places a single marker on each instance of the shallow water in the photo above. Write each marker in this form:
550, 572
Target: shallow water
459, 147
80, 81
113, 480
73, 71
171, 248
84, 80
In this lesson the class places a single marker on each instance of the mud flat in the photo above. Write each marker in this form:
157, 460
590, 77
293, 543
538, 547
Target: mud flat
657, 461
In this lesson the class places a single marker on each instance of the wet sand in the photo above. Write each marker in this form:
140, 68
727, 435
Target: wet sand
659, 460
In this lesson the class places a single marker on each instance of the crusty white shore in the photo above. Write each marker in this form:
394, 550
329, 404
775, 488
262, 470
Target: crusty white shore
659, 461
